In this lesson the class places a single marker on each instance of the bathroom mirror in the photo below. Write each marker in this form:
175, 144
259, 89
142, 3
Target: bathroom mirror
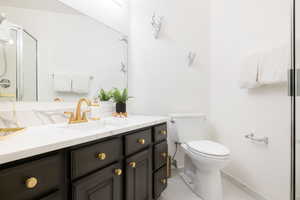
49, 50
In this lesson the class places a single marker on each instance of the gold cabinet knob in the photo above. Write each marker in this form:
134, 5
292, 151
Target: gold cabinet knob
164, 154
141, 141
31, 182
118, 172
132, 164
163, 181
163, 132
101, 156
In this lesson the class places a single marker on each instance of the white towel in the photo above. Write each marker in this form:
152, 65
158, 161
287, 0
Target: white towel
80, 84
274, 66
5, 36
62, 83
249, 72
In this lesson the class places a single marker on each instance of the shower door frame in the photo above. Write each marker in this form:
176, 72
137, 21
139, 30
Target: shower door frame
19, 67
293, 90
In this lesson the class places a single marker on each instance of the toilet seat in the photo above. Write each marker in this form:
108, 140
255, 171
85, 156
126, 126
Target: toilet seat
208, 149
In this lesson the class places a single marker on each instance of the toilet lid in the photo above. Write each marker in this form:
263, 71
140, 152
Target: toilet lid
208, 147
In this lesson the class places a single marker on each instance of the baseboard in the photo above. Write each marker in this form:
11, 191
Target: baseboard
244, 187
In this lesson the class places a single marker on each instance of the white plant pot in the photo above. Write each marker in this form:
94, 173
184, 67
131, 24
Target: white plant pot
107, 107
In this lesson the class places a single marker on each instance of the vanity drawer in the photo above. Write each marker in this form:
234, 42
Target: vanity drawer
160, 154
33, 179
160, 182
160, 133
93, 157
137, 141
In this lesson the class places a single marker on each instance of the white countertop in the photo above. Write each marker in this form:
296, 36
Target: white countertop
42, 139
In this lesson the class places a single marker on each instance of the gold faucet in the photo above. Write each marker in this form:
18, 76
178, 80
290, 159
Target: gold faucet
79, 116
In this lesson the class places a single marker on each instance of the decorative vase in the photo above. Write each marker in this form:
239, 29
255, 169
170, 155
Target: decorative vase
121, 107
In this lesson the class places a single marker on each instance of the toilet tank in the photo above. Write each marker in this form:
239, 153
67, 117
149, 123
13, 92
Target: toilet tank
191, 127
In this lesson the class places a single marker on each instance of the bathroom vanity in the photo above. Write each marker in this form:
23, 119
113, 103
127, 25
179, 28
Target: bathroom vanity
107, 160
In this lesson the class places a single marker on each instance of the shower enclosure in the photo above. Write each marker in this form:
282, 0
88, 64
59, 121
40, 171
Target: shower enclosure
15, 82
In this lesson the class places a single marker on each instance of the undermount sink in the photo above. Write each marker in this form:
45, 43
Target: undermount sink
113, 121
88, 126
96, 125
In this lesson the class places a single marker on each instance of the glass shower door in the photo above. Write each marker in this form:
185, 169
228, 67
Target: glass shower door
8, 69
18, 67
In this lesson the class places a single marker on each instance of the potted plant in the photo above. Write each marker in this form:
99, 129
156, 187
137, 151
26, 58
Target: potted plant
105, 95
120, 98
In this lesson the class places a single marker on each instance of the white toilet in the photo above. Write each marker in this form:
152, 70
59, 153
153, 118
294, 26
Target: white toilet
203, 158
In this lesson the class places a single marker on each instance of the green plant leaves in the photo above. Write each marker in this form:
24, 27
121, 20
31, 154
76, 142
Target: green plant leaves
120, 96
105, 96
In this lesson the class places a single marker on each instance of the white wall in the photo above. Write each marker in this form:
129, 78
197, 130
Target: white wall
160, 79
223, 33
113, 13
72, 44
240, 28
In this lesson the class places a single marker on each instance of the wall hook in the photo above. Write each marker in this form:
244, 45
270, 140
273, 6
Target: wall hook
124, 38
156, 22
123, 68
191, 58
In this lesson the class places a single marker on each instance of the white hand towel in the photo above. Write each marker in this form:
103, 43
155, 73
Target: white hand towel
62, 83
5, 36
274, 66
80, 84
249, 72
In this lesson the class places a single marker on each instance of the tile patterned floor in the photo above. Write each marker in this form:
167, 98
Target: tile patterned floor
178, 190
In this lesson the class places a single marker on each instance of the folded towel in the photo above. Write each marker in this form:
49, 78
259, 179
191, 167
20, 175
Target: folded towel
5, 36
249, 72
62, 83
80, 84
274, 66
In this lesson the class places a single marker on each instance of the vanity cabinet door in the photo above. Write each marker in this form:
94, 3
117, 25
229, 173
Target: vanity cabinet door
105, 184
139, 176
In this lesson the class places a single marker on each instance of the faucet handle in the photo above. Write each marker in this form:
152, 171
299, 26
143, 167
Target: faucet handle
84, 114
71, 118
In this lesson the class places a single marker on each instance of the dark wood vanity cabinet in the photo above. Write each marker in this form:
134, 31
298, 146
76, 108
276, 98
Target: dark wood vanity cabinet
128, 166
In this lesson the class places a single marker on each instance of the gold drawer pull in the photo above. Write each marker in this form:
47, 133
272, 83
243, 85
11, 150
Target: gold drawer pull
141, 141
163, 181
118, 172
101, 156
164, 155
163, 132
31, 182
132, 164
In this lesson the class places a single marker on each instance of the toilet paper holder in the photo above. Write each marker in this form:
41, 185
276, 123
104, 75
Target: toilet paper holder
252, 137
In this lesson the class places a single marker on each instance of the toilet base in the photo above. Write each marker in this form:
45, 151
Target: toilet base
207, 185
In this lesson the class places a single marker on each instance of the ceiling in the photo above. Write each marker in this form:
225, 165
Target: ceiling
48, 5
